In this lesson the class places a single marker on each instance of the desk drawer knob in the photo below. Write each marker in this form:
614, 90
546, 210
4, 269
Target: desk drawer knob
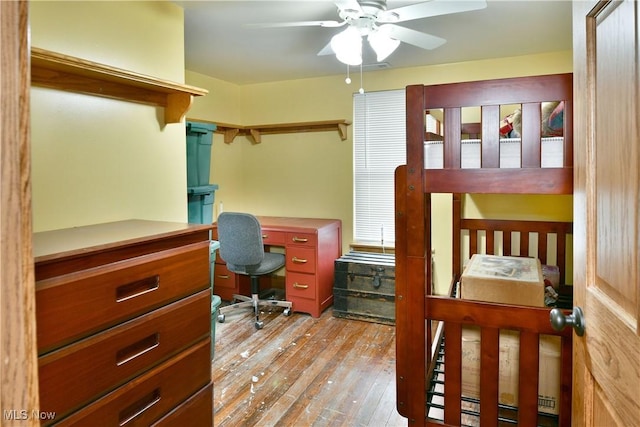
265, 236
299, 260
300, 286
300, 239
223, 276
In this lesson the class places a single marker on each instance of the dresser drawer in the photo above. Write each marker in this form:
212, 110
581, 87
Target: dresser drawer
75, 305
79, 373
301, 260
155, 394
300, 285
305, 239
197, 411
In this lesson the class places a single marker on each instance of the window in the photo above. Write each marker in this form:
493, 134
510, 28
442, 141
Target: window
379, 147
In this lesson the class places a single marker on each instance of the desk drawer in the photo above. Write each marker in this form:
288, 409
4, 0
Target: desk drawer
75, 305
301, 260
76, 374
223, 278
300, 285
304, 239
276, 238
153, 394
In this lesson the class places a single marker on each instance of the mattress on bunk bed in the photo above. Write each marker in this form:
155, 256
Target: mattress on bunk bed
364, 287
510, 148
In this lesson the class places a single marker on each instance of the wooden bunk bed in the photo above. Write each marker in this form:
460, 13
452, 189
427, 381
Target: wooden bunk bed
426, 322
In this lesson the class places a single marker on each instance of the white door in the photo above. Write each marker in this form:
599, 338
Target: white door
606, 384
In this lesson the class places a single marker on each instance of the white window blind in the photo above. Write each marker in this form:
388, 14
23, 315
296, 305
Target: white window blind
379, 147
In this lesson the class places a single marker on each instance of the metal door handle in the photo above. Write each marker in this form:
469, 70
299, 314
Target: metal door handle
576, 320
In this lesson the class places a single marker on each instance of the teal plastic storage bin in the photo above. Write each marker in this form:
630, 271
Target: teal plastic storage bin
199, 140
200, 203
214, 245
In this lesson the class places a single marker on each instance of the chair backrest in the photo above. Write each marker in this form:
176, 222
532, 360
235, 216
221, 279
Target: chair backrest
240, 239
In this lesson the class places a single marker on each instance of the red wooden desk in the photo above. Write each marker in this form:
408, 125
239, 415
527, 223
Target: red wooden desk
311, 246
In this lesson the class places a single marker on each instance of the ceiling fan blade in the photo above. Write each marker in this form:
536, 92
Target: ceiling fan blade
328, 24
430, 8
413, 37
348, 5
326, 50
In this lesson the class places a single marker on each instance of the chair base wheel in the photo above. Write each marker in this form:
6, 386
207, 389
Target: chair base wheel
220, 318
259, 324
287, 312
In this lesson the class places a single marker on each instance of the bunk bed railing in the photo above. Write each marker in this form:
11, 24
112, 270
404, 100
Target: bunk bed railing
531, 323
489, 177
495, 237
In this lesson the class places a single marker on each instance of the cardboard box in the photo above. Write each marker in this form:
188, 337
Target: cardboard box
503, 279
549, 369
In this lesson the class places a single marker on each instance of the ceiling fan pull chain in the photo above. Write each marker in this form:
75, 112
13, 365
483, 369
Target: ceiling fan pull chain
348, 79
361, 85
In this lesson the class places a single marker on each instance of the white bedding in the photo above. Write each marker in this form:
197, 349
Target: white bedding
551, 152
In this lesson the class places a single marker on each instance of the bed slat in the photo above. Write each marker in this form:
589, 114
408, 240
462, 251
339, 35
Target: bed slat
531, 151
452, 132
490, 136
529, 363
489, 375
524, 244
453, 378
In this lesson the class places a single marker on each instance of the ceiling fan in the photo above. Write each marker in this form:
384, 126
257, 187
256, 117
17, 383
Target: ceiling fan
372, 19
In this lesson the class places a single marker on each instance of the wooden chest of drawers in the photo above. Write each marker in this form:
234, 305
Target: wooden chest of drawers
124, 323
311, 247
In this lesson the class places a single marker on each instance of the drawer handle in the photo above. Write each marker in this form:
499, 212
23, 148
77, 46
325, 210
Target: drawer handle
223, 276
135, 410
137, 349
137, 288
299, 286
299, 260
265, 236
300, 239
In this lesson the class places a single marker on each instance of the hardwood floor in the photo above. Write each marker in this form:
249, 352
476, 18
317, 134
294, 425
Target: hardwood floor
302, 371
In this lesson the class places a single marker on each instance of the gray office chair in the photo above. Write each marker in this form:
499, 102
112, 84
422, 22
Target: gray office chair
241, 247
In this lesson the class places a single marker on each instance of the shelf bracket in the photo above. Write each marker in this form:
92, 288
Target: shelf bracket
255, 135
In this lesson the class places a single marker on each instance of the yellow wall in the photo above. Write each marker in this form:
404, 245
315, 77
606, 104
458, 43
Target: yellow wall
96, 159
310, 174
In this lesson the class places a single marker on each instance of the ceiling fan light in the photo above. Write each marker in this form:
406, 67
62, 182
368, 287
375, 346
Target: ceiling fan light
347, 46
382, 44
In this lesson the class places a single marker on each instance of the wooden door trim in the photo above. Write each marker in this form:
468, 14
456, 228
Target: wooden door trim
19, 368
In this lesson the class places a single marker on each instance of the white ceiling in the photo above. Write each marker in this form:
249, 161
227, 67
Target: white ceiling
218, 43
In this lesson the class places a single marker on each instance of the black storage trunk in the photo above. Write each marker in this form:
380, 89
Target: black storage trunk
364, 287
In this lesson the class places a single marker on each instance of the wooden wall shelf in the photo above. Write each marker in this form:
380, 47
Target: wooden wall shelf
255, 132
68, 73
